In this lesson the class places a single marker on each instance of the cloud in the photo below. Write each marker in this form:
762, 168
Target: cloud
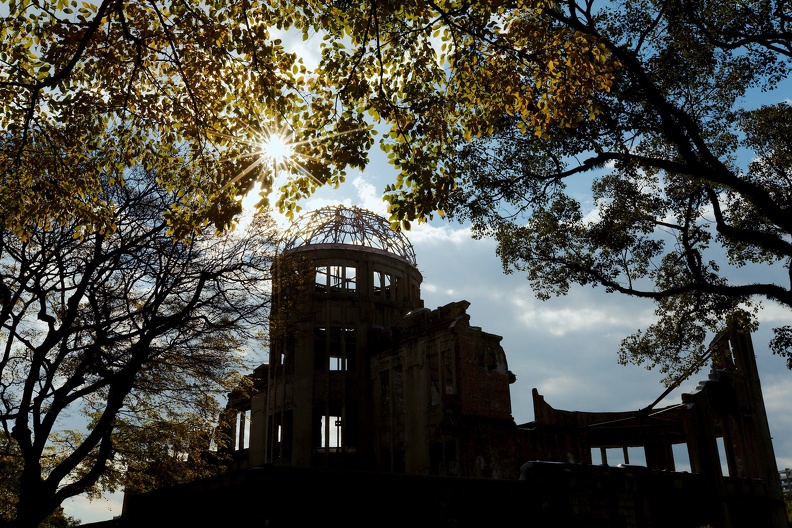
429, 236
558, 386
580, 312
368, 196
358, 192
593, 216
774, 313
454, 265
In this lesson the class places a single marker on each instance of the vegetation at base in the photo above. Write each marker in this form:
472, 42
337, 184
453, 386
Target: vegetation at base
10, 469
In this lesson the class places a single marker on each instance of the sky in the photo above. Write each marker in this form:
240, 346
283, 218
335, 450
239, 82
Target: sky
565, 347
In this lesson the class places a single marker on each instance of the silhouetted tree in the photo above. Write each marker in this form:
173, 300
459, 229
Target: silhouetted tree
106, 336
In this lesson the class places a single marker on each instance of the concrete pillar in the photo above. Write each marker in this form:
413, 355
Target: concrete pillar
258, 417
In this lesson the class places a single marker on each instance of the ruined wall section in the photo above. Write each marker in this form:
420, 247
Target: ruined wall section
441, 398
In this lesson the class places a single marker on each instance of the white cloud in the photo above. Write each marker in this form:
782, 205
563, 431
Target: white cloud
429, 236
774, 313
587, 313
318, 201
593, 216
368, 196
558, 386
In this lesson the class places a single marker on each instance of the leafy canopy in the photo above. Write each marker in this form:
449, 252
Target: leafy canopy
507, 114
187, 90
190, 91
442, 73
512, 114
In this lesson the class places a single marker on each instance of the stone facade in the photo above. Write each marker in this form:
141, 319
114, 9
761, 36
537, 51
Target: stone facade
440, 388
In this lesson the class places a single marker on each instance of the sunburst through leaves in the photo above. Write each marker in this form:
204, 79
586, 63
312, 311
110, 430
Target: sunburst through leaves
277, 154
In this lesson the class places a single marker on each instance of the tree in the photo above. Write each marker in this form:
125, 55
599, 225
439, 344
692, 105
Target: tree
505, 113
187, 90
494, 112
109, 336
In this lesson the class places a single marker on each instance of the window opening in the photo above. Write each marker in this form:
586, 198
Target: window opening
722, 455
321, 279
320, 352
636, 456
377, 283
681, 457
350, 280
611, 456
338, 363
242, 430
342, 349
331, 432
349, 338
335, 354
281, 426
275, 443
382, 284
336, 279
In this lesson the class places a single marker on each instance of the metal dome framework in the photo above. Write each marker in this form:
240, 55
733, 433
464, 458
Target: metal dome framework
349, 226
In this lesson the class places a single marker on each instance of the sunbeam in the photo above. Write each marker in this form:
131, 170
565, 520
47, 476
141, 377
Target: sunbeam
278, 151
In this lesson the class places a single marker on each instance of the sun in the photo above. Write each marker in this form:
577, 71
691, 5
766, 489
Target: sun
277, 149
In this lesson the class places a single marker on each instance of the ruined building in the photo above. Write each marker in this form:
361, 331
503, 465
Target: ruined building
377, 410
361, 375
